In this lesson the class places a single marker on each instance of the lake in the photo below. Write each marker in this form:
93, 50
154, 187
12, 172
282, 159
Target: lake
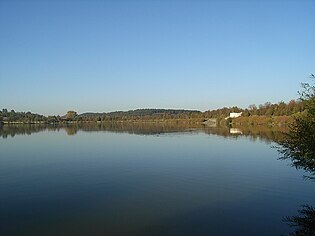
146, 179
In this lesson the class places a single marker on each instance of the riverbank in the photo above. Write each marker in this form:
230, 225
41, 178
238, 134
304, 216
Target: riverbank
262, 121
254, 120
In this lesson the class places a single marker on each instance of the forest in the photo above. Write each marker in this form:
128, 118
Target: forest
253, 114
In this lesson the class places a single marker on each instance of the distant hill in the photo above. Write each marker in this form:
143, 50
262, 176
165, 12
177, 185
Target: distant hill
141, 112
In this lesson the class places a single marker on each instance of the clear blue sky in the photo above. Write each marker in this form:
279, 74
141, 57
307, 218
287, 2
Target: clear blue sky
119, 55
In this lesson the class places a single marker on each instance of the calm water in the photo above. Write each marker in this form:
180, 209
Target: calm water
145, 180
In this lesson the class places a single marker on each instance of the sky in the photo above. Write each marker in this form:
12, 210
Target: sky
103, 56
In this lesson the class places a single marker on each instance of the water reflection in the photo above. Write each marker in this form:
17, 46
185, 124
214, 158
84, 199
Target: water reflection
240, 185
298, 146
12, 130
235, 131
304, 223
267, 134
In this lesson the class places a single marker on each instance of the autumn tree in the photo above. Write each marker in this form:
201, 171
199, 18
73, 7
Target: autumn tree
71, 115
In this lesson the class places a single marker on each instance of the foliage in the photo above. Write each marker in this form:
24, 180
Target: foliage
267, 109
143, 114
299, 146
71, 115
262, 120
23, 117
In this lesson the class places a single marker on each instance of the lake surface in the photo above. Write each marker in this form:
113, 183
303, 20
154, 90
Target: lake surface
146, 180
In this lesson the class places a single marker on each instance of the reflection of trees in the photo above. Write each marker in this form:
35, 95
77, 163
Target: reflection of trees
299, 144
263, 133
304, 223
71, 130
141, 128
12, 130
299, 147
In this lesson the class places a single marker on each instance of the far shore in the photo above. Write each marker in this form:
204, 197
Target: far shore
251, 121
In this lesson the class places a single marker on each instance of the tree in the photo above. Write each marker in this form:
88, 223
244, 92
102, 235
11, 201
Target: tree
52, 119
253, 109
308, 97
299, 146
71, 115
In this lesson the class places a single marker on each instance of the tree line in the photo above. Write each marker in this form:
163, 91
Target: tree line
23, 117
267, 109
72, 116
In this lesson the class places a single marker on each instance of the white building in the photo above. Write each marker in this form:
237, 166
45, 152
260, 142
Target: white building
234, 115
